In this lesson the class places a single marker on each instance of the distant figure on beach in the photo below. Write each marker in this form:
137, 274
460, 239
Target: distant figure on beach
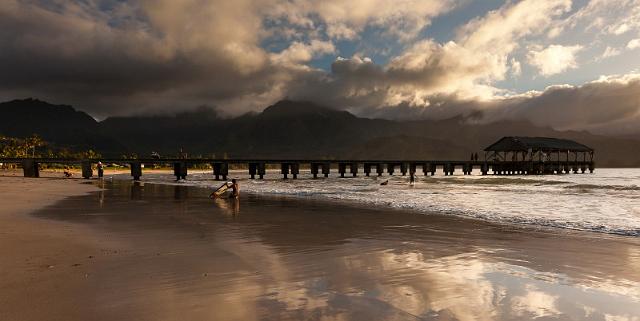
100, 169
67, 172
412, 178
182, 154
385, 182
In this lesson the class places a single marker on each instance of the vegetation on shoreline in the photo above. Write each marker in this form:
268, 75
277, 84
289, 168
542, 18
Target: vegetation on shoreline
35, 147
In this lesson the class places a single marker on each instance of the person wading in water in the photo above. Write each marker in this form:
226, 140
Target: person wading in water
235, 189
100, 169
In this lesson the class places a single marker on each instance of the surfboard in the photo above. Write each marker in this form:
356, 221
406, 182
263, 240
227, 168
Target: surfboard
221, 190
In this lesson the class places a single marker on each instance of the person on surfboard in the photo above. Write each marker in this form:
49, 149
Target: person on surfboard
233, 185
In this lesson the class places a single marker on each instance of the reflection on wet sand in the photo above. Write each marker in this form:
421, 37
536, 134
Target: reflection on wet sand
229, 206
286, 259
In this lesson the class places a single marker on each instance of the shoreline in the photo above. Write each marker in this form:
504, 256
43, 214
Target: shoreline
534, 224
122, 175
516, 226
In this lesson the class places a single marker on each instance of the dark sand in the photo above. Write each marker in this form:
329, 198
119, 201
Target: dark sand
153, 252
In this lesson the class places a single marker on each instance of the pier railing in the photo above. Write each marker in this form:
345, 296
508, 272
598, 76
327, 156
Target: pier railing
344, 167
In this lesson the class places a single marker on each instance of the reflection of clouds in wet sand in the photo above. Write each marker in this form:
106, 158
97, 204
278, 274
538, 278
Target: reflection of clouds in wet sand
534, 304
398, 286
465, 287
363, 280
610, 317
455, 284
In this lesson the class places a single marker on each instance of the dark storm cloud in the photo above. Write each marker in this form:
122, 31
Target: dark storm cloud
114, 57
100, 59
610, 105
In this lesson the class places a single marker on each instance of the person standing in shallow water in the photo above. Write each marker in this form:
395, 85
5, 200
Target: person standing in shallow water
235, 189
100, 169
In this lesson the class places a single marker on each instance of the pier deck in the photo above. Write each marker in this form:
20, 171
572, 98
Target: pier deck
292, 167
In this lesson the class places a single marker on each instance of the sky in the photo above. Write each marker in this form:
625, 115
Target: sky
571, 65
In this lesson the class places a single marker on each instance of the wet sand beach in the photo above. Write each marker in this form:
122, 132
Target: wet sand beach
42, 262
157, 252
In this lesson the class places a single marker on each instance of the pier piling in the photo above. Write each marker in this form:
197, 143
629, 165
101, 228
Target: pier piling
253, 169
342, 168
379, 169
257, 169
403, 168
136, 170
30, 168
484, 168
326, 169
180, 170
315, 167
366, 169
391, 168
87, 171
353, 169
220, 169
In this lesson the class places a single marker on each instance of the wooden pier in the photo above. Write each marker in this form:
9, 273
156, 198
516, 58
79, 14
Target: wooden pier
343, 168
508, 156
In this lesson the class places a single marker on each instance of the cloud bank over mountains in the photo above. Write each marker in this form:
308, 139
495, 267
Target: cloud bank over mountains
561, 63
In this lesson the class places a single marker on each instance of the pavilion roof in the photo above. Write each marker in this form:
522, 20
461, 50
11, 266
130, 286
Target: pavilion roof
517, 143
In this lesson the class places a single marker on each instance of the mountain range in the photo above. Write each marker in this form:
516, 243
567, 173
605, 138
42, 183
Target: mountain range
287, 129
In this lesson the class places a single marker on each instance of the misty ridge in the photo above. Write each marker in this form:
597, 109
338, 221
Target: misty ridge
287, 129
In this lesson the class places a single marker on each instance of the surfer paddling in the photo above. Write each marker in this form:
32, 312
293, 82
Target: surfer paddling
233, 185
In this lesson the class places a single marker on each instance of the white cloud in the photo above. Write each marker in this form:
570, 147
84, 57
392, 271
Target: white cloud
633, 44
554, 59
347, 19
610, 52
465, 67
516, 68
301, 53
605, 16
609, 105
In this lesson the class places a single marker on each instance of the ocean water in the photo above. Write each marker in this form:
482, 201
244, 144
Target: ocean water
607, 201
